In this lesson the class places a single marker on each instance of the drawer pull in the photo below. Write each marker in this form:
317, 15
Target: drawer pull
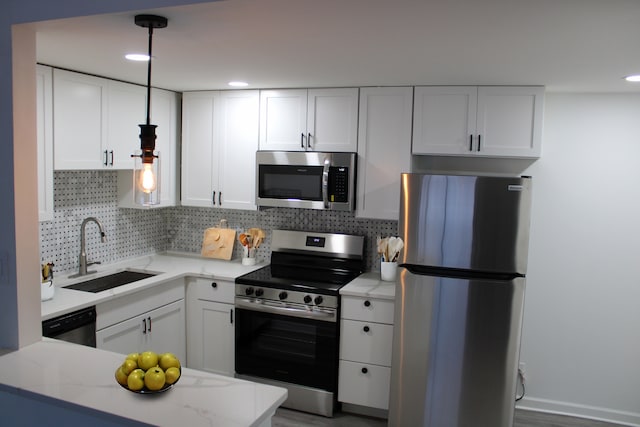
364, 370
366, 329
214, 285
144, 323
149, 323
367, 303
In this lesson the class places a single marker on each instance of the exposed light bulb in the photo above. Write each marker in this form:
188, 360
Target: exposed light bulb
634, 78
147, 179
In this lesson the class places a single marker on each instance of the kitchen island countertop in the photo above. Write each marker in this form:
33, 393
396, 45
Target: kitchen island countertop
81, 379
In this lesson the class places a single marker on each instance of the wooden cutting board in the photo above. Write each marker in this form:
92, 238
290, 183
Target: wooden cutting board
218, 243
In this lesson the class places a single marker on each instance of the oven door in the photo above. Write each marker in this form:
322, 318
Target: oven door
285, 348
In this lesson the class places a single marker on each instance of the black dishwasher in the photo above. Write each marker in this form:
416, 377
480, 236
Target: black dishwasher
78, 327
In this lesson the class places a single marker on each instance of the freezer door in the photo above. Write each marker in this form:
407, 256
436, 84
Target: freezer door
466, 222
456, 350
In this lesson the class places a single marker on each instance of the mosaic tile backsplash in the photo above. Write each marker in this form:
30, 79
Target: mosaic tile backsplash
136, 232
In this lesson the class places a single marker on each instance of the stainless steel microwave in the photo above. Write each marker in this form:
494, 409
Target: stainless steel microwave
306, 179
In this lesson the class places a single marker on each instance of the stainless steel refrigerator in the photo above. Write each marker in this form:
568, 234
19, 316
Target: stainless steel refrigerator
459, 300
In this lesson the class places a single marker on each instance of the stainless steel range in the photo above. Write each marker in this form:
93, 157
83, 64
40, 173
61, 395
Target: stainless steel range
287, 329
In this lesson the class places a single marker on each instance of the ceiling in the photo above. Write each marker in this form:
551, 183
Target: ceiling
566, 45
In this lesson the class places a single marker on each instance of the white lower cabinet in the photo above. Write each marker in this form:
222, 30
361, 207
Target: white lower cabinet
153, 319
210, 325
366, 334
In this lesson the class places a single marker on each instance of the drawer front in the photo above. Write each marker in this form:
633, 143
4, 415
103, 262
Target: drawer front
364, 384
367, 309
210, 289
366, 342
128, 306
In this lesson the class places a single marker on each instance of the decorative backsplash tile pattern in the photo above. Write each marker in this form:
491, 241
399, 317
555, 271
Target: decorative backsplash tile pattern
136, 232
82, 194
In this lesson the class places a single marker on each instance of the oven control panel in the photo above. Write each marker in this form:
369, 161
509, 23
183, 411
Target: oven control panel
286, 296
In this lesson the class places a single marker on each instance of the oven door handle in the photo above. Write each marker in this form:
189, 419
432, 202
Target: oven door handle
325, 183
287, 310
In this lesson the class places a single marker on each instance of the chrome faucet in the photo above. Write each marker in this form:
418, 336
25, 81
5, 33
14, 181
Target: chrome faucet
83, 255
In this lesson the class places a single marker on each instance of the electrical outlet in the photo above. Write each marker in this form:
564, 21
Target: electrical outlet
522, 368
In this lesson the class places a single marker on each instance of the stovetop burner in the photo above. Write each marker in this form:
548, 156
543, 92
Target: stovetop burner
298, 279
319, 263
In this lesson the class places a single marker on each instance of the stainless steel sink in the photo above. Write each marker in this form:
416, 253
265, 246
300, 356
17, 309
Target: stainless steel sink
110, 281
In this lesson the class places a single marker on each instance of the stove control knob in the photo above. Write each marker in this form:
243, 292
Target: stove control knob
307, 299
259, 292
282, 295
248, 291
318, 300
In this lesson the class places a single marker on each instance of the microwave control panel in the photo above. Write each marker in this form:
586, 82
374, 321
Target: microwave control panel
338, 184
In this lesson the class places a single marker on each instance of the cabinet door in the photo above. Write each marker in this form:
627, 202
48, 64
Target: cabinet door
44, 87
165, 113
509, 121
332, 120
211, 337
384, 150
199, 166
167, 330
127, 105
80, 105
236, 134
283, 119
161, 330
444, 120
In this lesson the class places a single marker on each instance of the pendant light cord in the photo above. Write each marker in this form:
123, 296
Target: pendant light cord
149, 78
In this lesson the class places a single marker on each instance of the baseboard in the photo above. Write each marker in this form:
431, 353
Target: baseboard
581, 411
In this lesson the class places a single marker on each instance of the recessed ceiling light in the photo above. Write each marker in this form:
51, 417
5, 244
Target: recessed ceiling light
238, 84
137, 57
633, 78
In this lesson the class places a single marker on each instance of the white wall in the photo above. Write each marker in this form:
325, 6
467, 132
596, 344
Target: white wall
581, 333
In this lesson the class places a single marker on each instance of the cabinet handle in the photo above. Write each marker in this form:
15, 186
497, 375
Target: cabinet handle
106, 158
366, 329
309, 140
149, 323
364, 370
214, 285
367, 303
470, 142
111, 153
219, 198
479, 136
214, 198
302, 140
231, 316
144, 322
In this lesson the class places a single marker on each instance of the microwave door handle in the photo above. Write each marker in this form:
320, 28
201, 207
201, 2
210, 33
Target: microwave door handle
325, 183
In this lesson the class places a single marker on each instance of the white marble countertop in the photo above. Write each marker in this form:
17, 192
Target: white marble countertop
85, 376
170, 266
369, 285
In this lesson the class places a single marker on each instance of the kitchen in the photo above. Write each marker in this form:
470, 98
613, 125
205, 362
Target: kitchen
571, 327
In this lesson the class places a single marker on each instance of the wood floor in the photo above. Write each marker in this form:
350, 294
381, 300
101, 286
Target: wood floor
290, 418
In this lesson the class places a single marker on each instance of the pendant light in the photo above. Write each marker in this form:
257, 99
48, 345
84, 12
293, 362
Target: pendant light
146, 172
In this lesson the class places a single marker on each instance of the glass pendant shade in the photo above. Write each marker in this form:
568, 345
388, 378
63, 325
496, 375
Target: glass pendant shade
146, 184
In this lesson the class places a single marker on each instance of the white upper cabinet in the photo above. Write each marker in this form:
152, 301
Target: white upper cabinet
79, 134
96, 121
44, 88
309, 119
219, 141
384, 149
491, 121
126, 110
